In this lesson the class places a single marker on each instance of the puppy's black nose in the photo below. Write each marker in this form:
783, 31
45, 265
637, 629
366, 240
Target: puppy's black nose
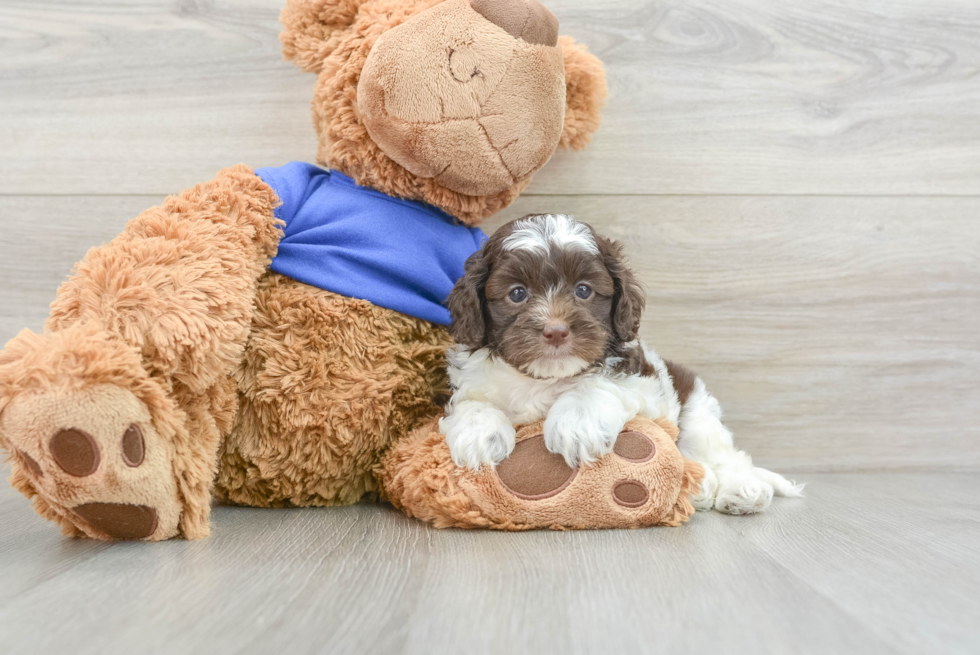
556, 334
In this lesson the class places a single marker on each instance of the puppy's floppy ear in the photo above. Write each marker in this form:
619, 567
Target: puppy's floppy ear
585, 93
467, 302
309, 28
629, 298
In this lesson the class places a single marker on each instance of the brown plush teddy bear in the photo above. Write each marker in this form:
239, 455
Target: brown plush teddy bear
264, 337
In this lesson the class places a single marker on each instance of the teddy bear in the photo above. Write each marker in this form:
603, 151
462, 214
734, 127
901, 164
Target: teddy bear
266, 337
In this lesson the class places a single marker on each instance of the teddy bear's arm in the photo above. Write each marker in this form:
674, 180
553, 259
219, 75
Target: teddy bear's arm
114, 415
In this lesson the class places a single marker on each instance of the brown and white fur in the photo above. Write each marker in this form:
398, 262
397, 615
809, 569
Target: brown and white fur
545, 322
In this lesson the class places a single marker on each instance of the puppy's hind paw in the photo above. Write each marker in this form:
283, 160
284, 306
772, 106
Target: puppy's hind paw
744, 496
780, 485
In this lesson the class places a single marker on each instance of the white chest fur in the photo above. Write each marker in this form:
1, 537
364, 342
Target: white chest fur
477, 376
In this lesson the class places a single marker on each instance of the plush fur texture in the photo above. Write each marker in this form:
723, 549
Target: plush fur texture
420, 477
326, 384
239, 383
546, 320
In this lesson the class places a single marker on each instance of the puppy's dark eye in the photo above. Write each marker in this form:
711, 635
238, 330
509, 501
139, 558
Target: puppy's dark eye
583, 291
518, 294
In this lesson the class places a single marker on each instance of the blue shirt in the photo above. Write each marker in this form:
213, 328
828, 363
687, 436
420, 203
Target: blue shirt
361, 243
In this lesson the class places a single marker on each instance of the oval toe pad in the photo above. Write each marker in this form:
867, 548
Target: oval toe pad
532, 472
119, 521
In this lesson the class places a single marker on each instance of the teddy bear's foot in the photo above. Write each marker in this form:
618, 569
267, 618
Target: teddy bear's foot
645, 481
88, 454
94, 457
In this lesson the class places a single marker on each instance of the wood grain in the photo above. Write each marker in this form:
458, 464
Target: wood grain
838, 333
869, 563
706, 97
910, 555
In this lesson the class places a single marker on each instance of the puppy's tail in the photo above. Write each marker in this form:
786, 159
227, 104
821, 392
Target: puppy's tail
780, 485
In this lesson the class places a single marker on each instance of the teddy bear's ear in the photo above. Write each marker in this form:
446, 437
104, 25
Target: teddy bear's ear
585, 93
308, 27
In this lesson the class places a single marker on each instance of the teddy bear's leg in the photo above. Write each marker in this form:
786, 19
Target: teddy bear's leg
113, 417
326, 384
644, 481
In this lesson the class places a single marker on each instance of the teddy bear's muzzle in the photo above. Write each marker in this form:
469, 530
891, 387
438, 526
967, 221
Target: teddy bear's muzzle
528, 20
470, 93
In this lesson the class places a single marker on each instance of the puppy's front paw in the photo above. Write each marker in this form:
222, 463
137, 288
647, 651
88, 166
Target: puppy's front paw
580, 431
478, 434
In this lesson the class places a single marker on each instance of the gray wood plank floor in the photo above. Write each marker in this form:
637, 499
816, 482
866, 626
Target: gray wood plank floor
867, 563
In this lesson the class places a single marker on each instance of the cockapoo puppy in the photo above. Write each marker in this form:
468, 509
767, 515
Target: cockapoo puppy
545, 322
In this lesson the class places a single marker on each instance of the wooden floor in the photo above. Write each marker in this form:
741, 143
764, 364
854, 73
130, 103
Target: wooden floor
798, 184
868, 563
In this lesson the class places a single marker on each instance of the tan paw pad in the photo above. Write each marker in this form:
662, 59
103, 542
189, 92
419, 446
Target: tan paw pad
95, 457
645, 481
637, 484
